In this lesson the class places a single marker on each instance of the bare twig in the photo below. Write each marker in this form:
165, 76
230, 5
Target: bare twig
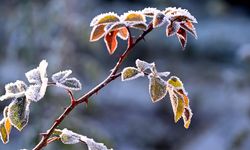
113, 75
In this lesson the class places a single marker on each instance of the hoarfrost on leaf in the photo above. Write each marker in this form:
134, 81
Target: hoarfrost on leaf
157, 88
130, 73
70, 84
3, 132
61, 76
150, 12
69, 137
143, 65
159, 19
19, 112
14, 90
36, 92
105, 18
133, 16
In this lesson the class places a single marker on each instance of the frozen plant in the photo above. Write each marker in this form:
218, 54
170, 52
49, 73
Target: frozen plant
108, 26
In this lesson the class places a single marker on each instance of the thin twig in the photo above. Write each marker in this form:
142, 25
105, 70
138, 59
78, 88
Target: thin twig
113, 75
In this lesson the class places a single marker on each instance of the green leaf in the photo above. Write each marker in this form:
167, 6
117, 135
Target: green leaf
19, 112
130, 73
3, 132
157, 88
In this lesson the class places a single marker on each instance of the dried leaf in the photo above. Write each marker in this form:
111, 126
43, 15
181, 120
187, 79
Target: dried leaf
61, 76
19, 112
188, 26
3, 132
172, 28
70, 84
7, 124
130, 73
69, 137
105, 19
133, 16
159, 19
187, 115
182, 36
157, 88
143, 65
123, 33
97, 33
14, 90
111, 41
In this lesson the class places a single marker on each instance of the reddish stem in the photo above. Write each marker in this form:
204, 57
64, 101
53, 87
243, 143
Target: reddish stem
113, 75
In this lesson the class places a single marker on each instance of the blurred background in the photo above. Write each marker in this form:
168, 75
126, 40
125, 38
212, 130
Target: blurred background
215, 70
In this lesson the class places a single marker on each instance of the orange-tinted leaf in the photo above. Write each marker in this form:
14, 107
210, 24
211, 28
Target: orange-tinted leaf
187, 115
172, 28
105, 19
134, 16
190, 28
123, 33
3, 132
157, 88
97, 33
8, 125
115, 26
111, 41
159, 19
182, 36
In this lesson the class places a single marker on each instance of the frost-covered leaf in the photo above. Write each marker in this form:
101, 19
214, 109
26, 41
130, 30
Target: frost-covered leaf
159, 19
123, 33
143, 65
139, 25
163, 74
39, 74
187, 115
14, 90
70, 84
130, 73
97, 33
36, 92
188, 26
111, 41
7, 124
179, 100
19, 112
61, 76
3, 132
69, 137
134, 16
182, 36
105, 19
157, 88
150, 12
172, 28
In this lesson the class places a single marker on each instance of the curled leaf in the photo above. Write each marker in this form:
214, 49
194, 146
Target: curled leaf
70, 84
159, 19
19, 112
139, 25
157, 88
111, 41
61, 76
39, 74
187, 115
123, 33
182, 36
105, 19
130, 73
7, 124
133, 16
172, 28
14, 90
97, 33
188, 26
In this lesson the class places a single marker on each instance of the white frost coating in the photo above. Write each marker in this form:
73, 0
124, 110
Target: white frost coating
70, 84
38, 77
98, 17
125, 15
149, 12
14, 90
61, 76
143, 65
159, 17
163, 74
137, 75
173, 12
69, 137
